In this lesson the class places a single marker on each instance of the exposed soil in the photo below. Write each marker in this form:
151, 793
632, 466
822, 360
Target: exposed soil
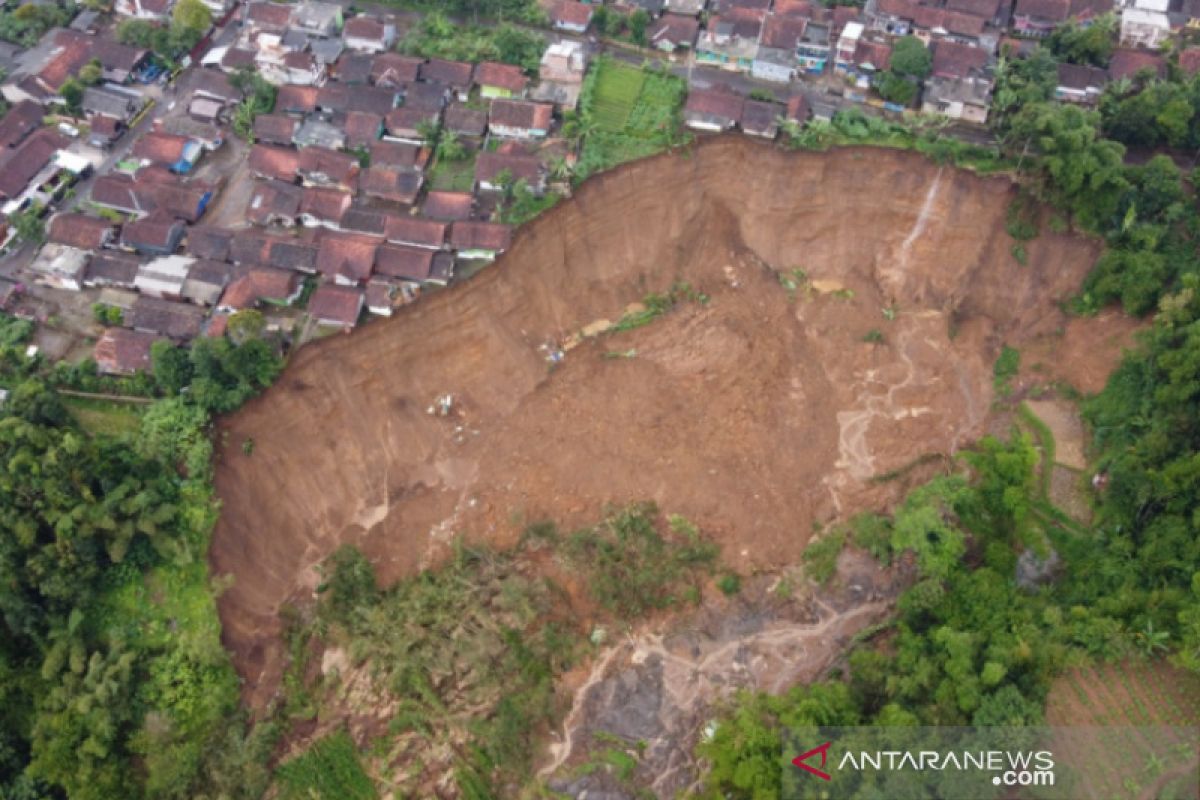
755, 414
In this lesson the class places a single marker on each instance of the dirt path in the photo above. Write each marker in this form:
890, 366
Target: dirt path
757, 413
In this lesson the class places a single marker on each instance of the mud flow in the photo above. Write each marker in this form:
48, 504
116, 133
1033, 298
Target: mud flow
840, 319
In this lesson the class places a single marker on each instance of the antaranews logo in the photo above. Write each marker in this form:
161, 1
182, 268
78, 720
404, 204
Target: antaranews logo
823, 750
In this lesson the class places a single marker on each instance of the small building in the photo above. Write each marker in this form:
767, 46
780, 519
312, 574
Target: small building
60, 267
274, 203
1127, 63
774, 64
206, 281
731, 40
456, 75
812, 51
123, 352
280, 163
362, 129
1039, 17
324, 206
395, 184
465, 121
448, 206
1144, 28
409, 124
689, 8
394, 70
111, 100
111, 269
489, 167
163, 277
414, 264
761, 118
336, 306
276, 129
79, 231
167, 319
316, 18
176, 153
500, 80
1079, 84
369, 34
257, 285
561, 71
104, 131
347, 260
672, 32
520, 119
207, 242
479, 240
415, 232
157, 234
316, 132
571, 16
319, 166
712, 110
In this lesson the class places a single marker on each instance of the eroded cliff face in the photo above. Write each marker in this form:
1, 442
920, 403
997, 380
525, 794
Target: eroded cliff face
756, 411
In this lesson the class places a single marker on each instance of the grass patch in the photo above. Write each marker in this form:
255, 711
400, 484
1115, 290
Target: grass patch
655, 305
1046, 441
1007, 365
329, 769
820, 557
453, 176
104, 418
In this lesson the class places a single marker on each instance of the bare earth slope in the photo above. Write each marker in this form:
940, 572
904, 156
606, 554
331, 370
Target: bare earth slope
754, 415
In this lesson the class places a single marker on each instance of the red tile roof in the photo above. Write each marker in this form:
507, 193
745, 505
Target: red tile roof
1048, 10
480, 236
394, 69
274, 16
160, 148
340, 168
502, 76
399, 154
351, 258
715, 103
296, 99
569, 12
325, 203
410, 230
21, 164
259, 283
1125, 63
123, 352
339, 305
79, 230
362, 128
452, 73
275, 128
488, 166
954, 60
280, 163
397, 184
409, 263
521, 114
783, 32
448, 206
364, 28
21, 120
678, 29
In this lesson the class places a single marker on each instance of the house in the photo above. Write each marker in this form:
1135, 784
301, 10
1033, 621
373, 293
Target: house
277, 129
490, 167
30, 164
1079, 84
416, 232
672, 32
206, 111
318, 19
146, 193
165, 318
104, 131
1040, 17
293, 254
396, 184
177, 153
118, 62
336, 98
365, 221
316, 132
869, 60
206, 280
111, 269
323, 206
79, 231
571, 16
123, 352
354, 68
207, 242
60, 266
111, 100
958, 98
338, 306
847, 44
1126, 63
464, 121
712, 110
457, 75
520, 119
379, 297
730, 41
1144, 28
215, 86
561, 71
233, 59
390, 153
322, 167
394, 70
299, 100
157, 234
479, 240
812, 51
274, 203
368, 34
346, 260
362, 129
280, 163
776, 57
265, 16
500, 80
45, 68
21, 120
426, 96
413, 264
409, 124
761, 118
448, 206
260, 285
163, 277
798, 110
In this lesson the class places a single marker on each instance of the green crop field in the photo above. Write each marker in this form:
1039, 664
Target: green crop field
630, 113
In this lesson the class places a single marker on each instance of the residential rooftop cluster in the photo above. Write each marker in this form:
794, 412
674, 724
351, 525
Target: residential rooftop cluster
376, 174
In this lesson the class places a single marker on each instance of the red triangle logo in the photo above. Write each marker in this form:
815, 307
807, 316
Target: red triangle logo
800, 759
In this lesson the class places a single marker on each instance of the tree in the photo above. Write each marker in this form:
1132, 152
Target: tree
29, 225
638, 21
71, 93
896, 89
1092, 44
192, 16
451, 148
91, 73
246, 325
911, 58
171, 366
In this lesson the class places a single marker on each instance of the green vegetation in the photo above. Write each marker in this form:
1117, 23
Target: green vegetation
626, 114
190, 20
469, 652
821, 554
26, 24
259, 98
1007, 365
438, 37
1091, 45
330, 768
911, 63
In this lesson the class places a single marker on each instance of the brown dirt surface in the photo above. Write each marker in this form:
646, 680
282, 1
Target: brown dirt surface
754, 414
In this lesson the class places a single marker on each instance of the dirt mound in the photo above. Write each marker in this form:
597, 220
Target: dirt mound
855, 303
